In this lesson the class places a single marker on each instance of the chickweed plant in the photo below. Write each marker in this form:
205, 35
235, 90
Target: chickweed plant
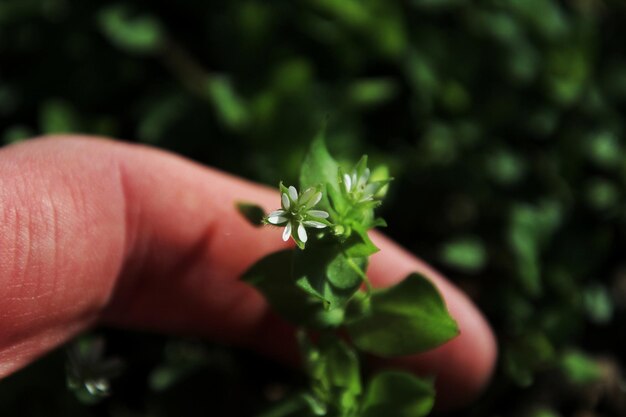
322, 288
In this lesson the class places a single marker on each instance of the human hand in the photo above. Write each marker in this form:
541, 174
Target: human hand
95, 231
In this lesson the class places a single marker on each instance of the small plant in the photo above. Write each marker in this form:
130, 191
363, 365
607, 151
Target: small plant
321, 286
88, 371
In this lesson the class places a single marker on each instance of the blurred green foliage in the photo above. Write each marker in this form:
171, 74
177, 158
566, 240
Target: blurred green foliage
502, 120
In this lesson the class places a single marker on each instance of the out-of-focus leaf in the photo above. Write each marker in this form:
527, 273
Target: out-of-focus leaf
57, 116
580, 368
467, 254
16, 134
530, 229
319, 168
601, 194
371, 92
567, 75
252, 212
544, 16
292, 77
528, 354
229, 105
598, 304
134, 33
604, 149
505, 167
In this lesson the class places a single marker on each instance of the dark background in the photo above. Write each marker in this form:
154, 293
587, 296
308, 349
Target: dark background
502, 122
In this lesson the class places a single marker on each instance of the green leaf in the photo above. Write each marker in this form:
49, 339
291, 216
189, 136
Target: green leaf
408, 318
17, 133
580, 368
466, 254
273, 277
530, 229
598, 304
136, 34
57, 116
253, 213
604, 148
326, 272
229, 105
319, 168
398, 394
527, 355
372, 91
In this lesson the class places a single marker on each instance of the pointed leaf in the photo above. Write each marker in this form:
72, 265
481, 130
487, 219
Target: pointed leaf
398, 394
253, 213
408, 318
319, 168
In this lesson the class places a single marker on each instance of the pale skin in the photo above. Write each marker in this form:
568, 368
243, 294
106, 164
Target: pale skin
94, 231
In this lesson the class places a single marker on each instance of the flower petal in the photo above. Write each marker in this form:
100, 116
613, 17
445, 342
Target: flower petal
321, 214
287, 232
347, 181
293, 193
313, 223
276, 219
285, 201
302, 233
277, 213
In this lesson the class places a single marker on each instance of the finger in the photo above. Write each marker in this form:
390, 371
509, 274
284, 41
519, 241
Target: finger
96, 230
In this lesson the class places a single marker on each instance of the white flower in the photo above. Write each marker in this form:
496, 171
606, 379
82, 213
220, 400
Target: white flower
358, 187
297, 213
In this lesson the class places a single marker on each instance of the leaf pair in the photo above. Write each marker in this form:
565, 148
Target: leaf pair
408, 318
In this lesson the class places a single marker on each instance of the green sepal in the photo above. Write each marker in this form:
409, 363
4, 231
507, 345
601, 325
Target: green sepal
398, 394
338, 204
377, 222
410, 317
